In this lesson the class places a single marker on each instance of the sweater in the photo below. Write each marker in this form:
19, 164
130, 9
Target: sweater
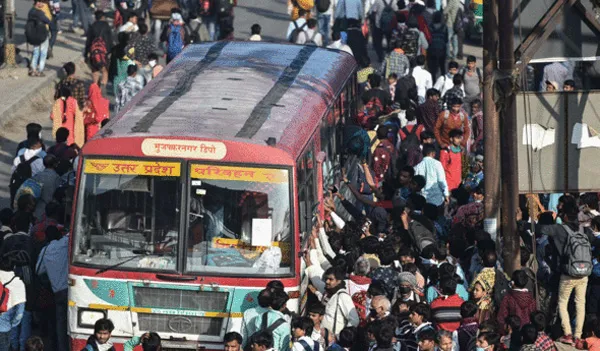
519, 303
446, 312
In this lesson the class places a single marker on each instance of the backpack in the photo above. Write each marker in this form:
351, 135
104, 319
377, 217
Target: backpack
371, 111
195, 36
357, 141
323, 5
5, 295
410, 43
387, 16
98, 53
35, 31
471, 340
438, 42
463, 71
296, 32
501, 287
174, 41
406, 89
410, 141
223, 7
459, 21
304, 344
462, 119
20, 175
264, 328
421, 236
29, 186
382, 162
577, 255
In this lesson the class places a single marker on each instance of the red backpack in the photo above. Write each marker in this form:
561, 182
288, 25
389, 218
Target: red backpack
372, 110
360, 304
98, 53
5, 295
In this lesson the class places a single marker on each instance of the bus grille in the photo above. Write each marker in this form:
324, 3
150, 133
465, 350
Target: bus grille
180, 324
180, 299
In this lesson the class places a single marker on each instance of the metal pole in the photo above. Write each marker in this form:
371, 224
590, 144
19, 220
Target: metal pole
491, 124
510, 191
9, 44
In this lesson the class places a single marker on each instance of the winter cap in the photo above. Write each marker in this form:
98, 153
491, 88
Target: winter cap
407, 277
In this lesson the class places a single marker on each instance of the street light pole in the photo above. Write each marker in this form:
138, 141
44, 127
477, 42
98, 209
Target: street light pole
9, 26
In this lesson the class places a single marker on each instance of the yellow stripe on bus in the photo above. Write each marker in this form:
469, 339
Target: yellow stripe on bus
94, 306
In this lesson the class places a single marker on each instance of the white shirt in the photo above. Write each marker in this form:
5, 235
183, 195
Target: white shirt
436, 188
36, 166
445, 83
423, 79
339, 46
298, 347
300, 22
310, 34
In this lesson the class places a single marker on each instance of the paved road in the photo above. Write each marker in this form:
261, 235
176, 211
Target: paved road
270, 14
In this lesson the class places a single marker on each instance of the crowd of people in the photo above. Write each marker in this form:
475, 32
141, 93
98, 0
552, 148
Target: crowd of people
400, 261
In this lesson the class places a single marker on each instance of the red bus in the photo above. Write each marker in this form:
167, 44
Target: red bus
198, 193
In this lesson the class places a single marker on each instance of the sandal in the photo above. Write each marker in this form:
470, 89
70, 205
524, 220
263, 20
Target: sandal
32, 73
40, 74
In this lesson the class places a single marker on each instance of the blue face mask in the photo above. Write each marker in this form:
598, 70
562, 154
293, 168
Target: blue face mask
480, 349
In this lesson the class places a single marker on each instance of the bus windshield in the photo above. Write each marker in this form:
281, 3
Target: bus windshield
128, 211
239, 220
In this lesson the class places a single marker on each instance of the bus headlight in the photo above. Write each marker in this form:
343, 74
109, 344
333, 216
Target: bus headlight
86, 318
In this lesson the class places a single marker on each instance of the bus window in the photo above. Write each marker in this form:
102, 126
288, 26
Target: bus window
307, 189
328, 145
128, 212
239, 220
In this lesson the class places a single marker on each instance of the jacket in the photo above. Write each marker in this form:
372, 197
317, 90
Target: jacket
92, 345
39, 15
444, 125
340, 312
519, 303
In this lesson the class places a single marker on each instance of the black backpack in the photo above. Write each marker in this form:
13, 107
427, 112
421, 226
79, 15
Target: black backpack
323, 5
35, 31
20, 175
439, 37
296, 32
420, 235
264, 328
387, 16
410, 43
501, 287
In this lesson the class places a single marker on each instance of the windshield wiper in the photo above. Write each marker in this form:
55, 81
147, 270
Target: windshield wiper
116, 265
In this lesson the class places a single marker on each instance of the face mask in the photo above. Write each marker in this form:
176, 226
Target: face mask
481, 348
405, 289
152, 63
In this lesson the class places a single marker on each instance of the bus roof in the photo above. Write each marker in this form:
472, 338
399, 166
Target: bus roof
238, 91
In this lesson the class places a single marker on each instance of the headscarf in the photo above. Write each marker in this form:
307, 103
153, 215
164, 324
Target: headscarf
486, 279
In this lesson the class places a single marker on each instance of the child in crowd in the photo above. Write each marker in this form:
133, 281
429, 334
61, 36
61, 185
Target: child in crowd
302, 329
103, 329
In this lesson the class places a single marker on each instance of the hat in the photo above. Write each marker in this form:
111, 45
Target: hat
553, 83
478, 158
408, 277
